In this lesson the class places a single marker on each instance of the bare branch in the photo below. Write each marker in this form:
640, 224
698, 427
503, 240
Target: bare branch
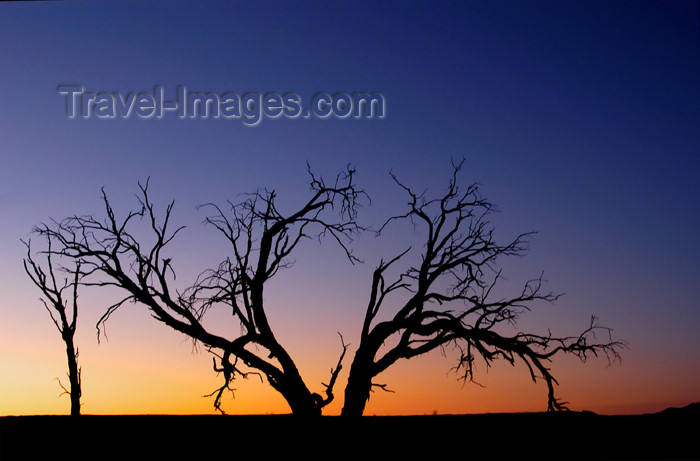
334, 374
383, 387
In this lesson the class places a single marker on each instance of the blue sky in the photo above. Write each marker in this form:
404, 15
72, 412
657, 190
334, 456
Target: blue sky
580, 119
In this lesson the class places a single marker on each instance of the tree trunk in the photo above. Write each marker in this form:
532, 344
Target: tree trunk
304, 406
73, 377
359, 385
300, 400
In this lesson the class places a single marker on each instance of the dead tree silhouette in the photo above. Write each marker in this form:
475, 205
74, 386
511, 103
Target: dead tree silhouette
62, 314
450, 287
261, 239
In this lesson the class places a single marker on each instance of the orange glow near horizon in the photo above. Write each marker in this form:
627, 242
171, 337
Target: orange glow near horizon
143, 367
156, 372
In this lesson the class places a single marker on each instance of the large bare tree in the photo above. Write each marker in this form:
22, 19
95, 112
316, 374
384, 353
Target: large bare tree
261, 238
450, 300
61, 301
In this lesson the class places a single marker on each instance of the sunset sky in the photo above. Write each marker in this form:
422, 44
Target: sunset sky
580, 119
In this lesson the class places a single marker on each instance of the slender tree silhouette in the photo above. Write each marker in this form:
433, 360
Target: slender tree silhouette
450, 300
447, 293
63, 315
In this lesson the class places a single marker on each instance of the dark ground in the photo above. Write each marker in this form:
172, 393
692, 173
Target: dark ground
670, 434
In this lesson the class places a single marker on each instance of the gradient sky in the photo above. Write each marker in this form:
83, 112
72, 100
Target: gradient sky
581, 119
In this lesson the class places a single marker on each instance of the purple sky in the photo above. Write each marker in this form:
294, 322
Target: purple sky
580, 118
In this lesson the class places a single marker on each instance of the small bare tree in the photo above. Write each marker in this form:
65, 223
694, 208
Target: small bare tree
261, 238
61, 301
450, 300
